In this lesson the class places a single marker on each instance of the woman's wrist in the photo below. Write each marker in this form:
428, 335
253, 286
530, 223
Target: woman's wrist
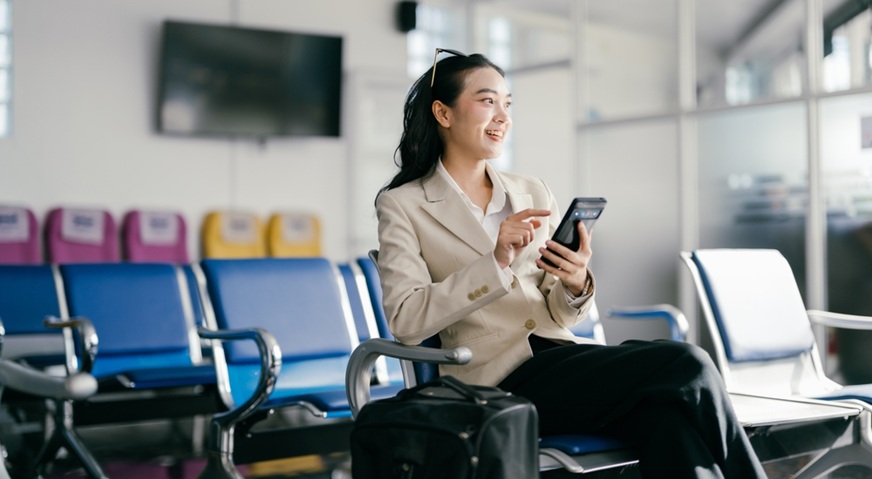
584, 291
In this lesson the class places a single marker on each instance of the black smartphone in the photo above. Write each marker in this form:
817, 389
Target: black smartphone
585, 210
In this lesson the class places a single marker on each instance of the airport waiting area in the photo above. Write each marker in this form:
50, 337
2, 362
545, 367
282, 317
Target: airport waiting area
123, 357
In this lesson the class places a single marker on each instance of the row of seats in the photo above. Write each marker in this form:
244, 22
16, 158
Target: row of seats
232, 338
274, 333
78, 235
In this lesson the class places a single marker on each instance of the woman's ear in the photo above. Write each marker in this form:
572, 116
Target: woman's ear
441, 113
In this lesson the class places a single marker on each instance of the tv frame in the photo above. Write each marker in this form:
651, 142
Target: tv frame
268, 104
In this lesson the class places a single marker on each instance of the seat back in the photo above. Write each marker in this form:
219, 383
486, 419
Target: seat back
142, 313
760, 329
75, 235
19, 236
233, 234
359, 299
387, 371
29, 293
293, 234
302, 302
369, 268
154, 237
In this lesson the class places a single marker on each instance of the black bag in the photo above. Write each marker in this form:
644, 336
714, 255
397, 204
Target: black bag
446, 429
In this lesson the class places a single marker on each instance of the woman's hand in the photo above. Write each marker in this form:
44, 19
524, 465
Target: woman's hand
571, 266
516, 232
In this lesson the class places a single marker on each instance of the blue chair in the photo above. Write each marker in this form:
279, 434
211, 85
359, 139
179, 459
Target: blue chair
145, 320
149, 356
763, 341
284, 332
28, 295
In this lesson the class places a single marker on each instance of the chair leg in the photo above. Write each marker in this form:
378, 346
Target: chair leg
857, 453
219, 466
829, 461
64, 435
219, 457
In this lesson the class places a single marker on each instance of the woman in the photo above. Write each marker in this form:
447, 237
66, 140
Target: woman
460, 248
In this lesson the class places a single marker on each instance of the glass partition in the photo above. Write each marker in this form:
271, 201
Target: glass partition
746, 55
847, 31
846, 164
753, 180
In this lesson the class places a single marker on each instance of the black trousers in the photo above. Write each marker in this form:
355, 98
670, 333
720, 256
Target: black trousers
665, 398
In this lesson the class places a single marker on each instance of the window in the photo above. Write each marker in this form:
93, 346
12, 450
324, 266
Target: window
5, 68
435, 28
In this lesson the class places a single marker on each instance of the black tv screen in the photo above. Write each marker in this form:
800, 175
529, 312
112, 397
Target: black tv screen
230, 81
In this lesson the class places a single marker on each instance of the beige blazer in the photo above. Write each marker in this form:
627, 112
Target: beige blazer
439, 276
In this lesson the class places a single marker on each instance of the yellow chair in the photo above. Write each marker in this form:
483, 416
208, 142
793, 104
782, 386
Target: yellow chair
294, 234
233, 234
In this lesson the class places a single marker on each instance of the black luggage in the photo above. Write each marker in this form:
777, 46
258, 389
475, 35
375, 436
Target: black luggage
446, 429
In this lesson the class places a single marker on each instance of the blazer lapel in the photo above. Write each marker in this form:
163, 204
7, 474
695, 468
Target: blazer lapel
447, 207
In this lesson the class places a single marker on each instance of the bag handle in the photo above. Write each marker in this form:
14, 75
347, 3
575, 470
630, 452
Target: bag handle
465, 389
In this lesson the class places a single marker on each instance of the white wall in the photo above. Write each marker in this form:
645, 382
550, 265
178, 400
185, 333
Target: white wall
84, 93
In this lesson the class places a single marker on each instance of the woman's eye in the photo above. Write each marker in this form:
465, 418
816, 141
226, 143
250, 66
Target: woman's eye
489, 100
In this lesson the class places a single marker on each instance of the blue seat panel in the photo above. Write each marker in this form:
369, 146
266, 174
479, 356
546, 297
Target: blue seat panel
355, 295
578, 444
193, 292
295, 378
373, 285
288, 295
169, 377
168, 362
27, 295
862, 392
135, 308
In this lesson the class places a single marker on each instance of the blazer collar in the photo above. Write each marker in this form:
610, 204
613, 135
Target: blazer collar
446, 206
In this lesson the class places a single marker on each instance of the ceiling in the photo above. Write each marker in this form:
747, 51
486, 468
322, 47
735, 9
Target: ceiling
722, 25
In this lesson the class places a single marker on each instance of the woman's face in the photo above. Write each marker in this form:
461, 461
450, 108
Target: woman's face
478, 123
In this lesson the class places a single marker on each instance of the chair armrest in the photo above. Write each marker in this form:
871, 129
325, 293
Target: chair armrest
678, 325
270, 365
840, 320
32, 381
88, 339
358, 375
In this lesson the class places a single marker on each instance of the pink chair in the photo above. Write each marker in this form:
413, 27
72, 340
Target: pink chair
74, 235
19, 237
154, 237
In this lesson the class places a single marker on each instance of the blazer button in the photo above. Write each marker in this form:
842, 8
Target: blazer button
471, 296
514, 283
478, 293
530, 324
485, 289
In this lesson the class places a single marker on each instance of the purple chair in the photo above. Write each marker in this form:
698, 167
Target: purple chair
19, 238
154, 237
75, 235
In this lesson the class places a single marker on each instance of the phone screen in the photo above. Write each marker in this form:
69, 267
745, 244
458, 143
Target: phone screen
585, 210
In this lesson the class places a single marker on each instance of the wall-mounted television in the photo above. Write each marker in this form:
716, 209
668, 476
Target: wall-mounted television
218, 80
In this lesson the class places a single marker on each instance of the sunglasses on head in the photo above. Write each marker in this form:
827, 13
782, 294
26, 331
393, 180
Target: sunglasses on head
436, 55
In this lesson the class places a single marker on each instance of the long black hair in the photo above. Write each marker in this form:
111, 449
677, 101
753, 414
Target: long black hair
420, 145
